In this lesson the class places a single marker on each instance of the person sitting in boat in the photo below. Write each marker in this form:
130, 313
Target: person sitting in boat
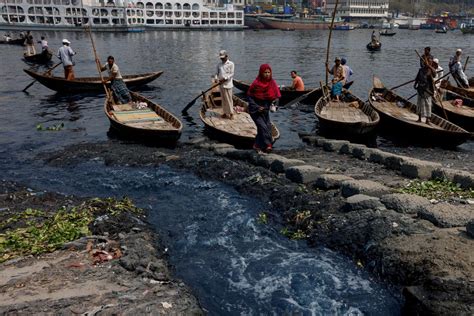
375, 41
262, 93
116, 81
424, 87
338, 78
426, 55
297, 84
7, 37
347, 73
225, 76
65, 54
30, 44
455, 68
44, 44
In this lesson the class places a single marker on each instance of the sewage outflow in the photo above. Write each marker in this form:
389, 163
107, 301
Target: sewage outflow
235, 264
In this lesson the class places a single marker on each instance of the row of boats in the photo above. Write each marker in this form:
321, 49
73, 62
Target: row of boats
350, 117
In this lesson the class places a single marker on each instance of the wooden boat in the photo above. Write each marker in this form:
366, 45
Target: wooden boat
387, 33
462, 116
398, 118
41, 58
296, 23
240, 131
349, 118
441, 31
343, 27
465, 92
85, 84
374, 47
17, 41
286, 94
143, 120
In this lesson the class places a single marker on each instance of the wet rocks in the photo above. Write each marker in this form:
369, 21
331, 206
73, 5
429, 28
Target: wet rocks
303, 174
361, 202
445, 215
330, 181
470, 228
352, 187
405, 203
415, 168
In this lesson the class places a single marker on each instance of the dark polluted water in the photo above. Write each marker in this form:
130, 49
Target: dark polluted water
234, 264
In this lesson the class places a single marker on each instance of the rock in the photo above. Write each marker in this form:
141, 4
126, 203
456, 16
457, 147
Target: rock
377, 156
405, 203
463, 178
241, 154
356, 150
223, 151
352, 187
196, 140
392, 161
280, 164
265, 160
334, 145
361, 202
221, 146
303, 174
470, 228
445, 215
330, 181
415, 168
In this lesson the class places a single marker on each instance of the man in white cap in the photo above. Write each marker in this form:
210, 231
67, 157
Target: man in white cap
438, 74
455, 68
225, 75
65, 54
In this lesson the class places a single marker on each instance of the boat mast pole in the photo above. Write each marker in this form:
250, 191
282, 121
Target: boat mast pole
329, 40
97, 62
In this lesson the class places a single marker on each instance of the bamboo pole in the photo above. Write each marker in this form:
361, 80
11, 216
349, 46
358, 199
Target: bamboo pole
329, 41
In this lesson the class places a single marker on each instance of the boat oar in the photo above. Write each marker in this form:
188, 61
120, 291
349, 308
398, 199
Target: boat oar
301, 97
46, 73
190, 104
403, 84
465, 64
329, 40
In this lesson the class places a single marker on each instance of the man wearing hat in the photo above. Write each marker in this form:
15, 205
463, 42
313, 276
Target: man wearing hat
338, 78
438, 74
455, 68
225, 75
65, 54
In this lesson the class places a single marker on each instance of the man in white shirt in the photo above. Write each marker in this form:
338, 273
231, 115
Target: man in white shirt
116, 81
225, 75
439, 73
455, 68
44, 43
65, 54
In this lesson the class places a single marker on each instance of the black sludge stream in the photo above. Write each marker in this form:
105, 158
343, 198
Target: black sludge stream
235, 264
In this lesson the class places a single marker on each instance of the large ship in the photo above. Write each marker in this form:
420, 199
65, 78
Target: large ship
130, 16
311, 23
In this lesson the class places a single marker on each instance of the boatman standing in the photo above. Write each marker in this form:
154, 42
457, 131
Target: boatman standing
225, 75
455, 68
116, 81
44, 43
425, 88
65, 54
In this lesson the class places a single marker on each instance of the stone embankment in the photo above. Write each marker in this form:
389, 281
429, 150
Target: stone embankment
424, 246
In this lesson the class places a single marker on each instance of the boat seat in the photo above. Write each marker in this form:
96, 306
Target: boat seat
144, 115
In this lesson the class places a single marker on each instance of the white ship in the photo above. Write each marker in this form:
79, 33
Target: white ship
115, 16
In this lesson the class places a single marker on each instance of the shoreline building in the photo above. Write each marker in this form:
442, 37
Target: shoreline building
359, 9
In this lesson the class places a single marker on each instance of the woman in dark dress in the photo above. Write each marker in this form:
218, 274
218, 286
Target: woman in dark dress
262, 93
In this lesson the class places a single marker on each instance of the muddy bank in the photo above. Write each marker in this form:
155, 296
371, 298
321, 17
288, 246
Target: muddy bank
401, 239
119, 268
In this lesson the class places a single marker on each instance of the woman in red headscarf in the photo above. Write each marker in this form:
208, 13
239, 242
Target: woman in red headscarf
262, 92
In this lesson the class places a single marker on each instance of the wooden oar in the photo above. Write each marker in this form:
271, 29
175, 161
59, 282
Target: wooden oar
47, 72
329, 40
301, 97
190, 104
465, 64
99, 67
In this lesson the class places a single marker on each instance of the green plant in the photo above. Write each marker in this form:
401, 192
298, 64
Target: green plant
55, 128
262, 218
437, 189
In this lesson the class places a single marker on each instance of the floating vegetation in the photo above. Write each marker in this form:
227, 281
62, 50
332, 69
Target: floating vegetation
437, 189
295, 235
262, 218
38, 231
55, 128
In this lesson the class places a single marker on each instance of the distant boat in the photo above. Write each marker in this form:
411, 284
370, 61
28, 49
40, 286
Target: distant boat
343, 27
252, 22
387, 33
41, 58
16, 41
442, 30
374, 47
296, 23
467, 28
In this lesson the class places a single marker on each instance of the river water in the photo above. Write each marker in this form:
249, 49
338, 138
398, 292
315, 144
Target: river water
234, 264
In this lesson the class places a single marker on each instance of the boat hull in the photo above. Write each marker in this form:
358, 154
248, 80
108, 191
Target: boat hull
42, 58
464, 120
158, 137
92, 84
395, 125
286, 95
374, 48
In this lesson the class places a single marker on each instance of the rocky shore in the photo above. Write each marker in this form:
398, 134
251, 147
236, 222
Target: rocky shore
344, 196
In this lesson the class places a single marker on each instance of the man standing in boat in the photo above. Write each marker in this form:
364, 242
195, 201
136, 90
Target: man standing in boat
347, 74
425, 88
338, 78
438, 74
65, 54
116, 81
426, 56
44, 43
455, 68
225, 75
297, 84
30, 45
